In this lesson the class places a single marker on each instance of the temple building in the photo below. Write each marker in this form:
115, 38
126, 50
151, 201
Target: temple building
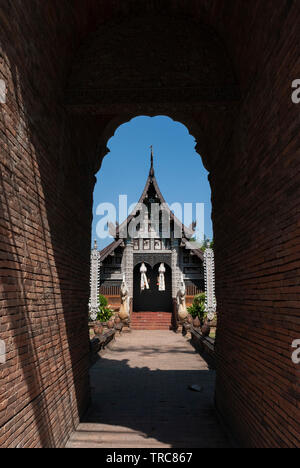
153, 252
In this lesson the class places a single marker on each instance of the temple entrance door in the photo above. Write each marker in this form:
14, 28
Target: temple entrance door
152, 300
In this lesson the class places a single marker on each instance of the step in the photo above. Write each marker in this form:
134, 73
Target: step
141, 322
151, 327
153, 319
141, 325
148, 320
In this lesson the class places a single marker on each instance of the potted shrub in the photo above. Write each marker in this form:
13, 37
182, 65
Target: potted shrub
117, 320
197, 311
196, 322
190, 319
98, 329
105, 313
205, 329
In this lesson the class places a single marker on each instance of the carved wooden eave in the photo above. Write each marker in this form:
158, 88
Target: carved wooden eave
110, 249
187, 244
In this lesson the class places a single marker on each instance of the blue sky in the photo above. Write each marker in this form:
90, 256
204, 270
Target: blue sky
178, 168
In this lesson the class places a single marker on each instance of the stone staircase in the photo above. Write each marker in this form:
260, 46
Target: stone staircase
151, 320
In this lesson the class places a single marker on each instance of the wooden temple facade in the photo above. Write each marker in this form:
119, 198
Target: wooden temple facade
155, 253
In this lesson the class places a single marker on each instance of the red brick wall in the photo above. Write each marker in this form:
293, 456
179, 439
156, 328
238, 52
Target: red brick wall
48, 160
256, 223
44, 242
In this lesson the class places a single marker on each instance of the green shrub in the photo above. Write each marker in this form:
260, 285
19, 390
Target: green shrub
105, 313
197, 309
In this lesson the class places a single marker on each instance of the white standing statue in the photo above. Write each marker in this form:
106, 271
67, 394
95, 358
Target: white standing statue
144, 280
94, 283
209, 276
124, 308
181, 302
161, 278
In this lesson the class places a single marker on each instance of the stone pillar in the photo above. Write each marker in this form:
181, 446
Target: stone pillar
128, 265
176, 272
94, 283
209, 278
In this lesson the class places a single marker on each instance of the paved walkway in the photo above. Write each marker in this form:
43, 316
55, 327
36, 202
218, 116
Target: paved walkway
141, 397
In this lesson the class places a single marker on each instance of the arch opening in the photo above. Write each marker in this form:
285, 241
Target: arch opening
152, 299
182, 185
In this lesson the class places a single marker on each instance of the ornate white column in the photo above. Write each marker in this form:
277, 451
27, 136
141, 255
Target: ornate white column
209, 278
94, 283
128, 265
176, 272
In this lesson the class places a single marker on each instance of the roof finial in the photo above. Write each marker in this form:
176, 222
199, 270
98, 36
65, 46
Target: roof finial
152, 166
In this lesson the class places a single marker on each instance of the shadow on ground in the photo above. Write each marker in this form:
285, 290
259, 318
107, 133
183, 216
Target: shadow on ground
144, 400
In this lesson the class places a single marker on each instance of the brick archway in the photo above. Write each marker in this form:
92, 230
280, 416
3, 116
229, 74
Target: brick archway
53, 141
194, 83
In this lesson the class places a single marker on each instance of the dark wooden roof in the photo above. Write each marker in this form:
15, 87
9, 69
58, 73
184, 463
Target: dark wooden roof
198, 252
152, 180
187, 233
109, 249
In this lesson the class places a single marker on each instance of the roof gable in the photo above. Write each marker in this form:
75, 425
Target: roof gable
152, 182
122, 230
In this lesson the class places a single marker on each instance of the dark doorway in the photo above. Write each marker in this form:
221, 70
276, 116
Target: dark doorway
152, 300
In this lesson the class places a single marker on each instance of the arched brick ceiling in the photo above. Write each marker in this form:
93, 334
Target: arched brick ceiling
234, 21
245, 28
151, 52
151, 63
238, 31
242, 31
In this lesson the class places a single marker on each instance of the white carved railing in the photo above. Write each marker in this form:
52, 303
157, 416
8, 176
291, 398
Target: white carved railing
94, 283
209, 277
